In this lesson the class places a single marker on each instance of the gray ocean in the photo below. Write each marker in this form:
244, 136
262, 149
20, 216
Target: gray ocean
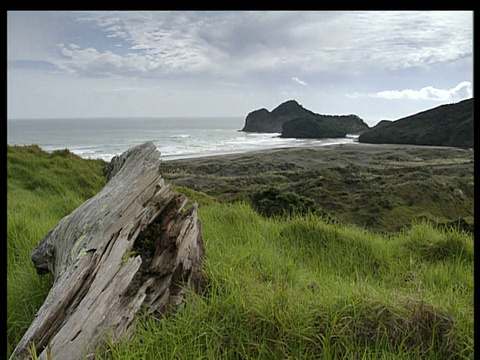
175, 138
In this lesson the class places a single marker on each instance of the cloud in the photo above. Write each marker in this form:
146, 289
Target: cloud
241, 43
260, 57
141, 47
298, 81
147, 44
462, 91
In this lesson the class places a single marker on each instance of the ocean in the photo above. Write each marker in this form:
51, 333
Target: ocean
175, 138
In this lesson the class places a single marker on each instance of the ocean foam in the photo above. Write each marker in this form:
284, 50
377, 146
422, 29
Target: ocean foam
106, 138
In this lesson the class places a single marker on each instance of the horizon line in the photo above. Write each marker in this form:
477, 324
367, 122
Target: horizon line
125, 117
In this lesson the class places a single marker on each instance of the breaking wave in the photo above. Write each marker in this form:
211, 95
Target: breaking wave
106, 138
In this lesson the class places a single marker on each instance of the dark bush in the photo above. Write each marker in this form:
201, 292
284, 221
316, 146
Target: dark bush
276, 202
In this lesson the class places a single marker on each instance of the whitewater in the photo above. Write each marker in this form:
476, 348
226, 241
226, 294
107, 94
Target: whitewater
175, 138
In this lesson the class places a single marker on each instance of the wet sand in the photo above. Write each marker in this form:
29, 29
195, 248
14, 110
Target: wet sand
360, 154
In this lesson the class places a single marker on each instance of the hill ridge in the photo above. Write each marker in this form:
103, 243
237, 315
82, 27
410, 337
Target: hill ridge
444, 125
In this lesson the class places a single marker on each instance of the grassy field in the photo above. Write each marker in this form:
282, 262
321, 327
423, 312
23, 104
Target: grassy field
282, 287
379, 187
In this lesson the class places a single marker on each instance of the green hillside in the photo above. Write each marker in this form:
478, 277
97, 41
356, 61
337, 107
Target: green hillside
323, 126
379, 187
446, 125
279, 287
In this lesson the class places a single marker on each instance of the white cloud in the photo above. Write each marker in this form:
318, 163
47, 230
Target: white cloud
241, 43
298, 81
462, 91
91, 62
248, 55
141, 47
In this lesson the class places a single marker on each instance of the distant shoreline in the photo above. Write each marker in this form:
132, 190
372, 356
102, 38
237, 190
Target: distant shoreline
282, 151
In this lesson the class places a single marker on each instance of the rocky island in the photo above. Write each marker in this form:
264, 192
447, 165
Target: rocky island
292, 120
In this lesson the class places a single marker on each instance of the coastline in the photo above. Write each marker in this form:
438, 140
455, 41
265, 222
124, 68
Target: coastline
298, 151
302, 143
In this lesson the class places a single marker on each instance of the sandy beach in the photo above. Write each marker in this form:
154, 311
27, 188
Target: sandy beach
361, 154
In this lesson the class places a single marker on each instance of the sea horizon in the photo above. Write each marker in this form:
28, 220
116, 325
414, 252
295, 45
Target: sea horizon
175, 137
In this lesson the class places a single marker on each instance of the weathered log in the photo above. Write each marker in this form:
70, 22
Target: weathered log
131, 247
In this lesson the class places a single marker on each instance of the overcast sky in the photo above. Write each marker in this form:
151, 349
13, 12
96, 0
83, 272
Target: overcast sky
377, 65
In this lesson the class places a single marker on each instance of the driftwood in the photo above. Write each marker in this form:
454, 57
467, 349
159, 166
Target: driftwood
132, 247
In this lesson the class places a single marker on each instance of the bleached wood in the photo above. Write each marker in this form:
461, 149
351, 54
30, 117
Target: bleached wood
105, 271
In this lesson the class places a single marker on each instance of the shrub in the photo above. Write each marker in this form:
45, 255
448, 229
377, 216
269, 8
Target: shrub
275, 202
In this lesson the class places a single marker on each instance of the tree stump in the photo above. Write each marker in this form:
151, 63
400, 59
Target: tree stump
131, 247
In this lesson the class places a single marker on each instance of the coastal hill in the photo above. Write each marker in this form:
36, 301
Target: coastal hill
293, 120
323, 126
264, 121
445, 125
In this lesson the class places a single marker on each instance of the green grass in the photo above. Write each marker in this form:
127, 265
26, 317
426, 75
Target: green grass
41, 189
283, 287
301, 288
382, 191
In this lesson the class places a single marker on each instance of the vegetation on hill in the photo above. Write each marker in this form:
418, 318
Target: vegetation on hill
290, 286
446, 125
293, 120
380, 188
263, 120
275, 202
297, 287
323, 126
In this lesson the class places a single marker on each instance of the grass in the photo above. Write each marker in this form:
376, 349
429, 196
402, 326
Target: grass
283, 287
301, 288
382, 191
42, 188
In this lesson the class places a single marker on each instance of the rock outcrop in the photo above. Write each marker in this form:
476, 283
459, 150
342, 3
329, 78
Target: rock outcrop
292, 120
265, 121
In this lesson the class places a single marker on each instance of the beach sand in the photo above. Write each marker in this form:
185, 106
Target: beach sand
338, 155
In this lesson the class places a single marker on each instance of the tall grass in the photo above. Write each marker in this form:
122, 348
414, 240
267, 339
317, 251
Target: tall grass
284, 287
41, 189
300, 288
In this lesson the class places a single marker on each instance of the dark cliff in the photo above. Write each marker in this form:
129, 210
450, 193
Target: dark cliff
265, 121
293, 120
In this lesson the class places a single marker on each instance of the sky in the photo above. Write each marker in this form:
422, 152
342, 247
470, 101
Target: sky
375, 64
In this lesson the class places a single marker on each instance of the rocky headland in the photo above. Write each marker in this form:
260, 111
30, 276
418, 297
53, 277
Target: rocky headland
292, 120
445, 125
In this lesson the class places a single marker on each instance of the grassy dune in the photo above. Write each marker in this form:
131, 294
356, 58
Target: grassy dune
282, 287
